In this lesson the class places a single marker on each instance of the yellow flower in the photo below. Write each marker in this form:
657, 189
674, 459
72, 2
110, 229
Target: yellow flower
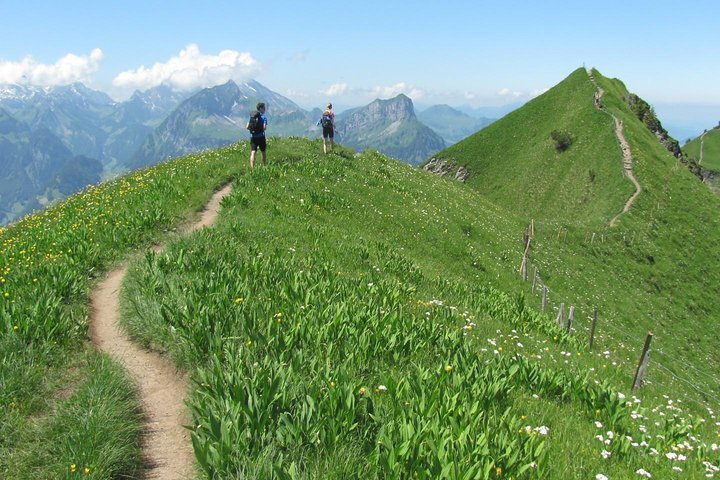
362, 390
73, 467
332, 384
86, 470
498, 471
448, 368
523, 417
239, 300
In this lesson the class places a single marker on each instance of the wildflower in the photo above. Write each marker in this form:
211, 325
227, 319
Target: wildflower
498, 471
73, 468
605, 454
542, 430
598, 424
86, 470
382, 388
362, 390
448, 368
239, 300
600, 476
671, 456
643, 473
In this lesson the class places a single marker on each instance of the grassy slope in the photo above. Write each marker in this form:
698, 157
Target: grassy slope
514, 163
711, 150
318, 269
61, 403
657, 271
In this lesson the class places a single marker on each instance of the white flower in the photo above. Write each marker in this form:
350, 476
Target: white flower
600, 476
382, 388
543, 430
677, 469
605, 454
598, 424
643, 473
671, 456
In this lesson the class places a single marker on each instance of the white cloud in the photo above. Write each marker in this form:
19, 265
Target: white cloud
70, 68
335, 89
506, 92
191, 69
398, 88
290, 93
469, 96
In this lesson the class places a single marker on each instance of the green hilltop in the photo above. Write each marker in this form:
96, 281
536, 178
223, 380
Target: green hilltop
709, 143
349, 313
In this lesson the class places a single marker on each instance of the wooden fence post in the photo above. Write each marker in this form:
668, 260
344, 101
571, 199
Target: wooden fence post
642, 365
571, 317
592, 329
535, 277
561, 316
544, 298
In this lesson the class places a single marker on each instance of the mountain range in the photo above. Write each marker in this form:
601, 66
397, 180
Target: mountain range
54, 141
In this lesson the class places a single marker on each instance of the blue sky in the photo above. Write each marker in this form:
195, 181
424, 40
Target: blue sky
478, 53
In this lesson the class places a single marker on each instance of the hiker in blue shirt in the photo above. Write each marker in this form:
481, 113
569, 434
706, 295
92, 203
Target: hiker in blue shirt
257, 126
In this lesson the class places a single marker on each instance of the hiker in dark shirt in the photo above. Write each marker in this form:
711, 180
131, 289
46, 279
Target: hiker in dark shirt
328, 128
257, 126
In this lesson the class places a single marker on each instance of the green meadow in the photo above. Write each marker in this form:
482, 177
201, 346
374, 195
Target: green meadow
351, 316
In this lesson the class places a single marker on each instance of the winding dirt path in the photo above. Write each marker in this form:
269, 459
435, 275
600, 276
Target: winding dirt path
702, 147
624, 146
168, 451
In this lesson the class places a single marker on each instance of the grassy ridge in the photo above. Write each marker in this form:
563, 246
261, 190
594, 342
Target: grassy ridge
514, 162
711, 150
48, 263
341, 320
657, 271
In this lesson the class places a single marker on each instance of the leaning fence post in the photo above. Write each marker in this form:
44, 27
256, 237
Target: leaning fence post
642, 365
571, 317
592, 329
561, 316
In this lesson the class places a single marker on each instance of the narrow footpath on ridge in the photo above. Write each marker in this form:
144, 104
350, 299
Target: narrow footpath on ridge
624, 146
167, 449
702, 146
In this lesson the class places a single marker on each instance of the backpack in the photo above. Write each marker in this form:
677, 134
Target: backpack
255, 125
326, 120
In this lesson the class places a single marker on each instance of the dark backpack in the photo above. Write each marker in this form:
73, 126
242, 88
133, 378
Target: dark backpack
326, 120
255, 125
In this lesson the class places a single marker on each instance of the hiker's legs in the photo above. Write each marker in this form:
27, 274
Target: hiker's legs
324, 145
253, 149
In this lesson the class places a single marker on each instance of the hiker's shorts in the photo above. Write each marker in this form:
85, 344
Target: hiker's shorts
256, 143
328, 132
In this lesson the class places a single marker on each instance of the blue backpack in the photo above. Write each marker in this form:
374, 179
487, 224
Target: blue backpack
326, 120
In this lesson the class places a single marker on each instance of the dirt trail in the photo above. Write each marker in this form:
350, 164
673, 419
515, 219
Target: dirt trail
167, 448
702, 147
624, 146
